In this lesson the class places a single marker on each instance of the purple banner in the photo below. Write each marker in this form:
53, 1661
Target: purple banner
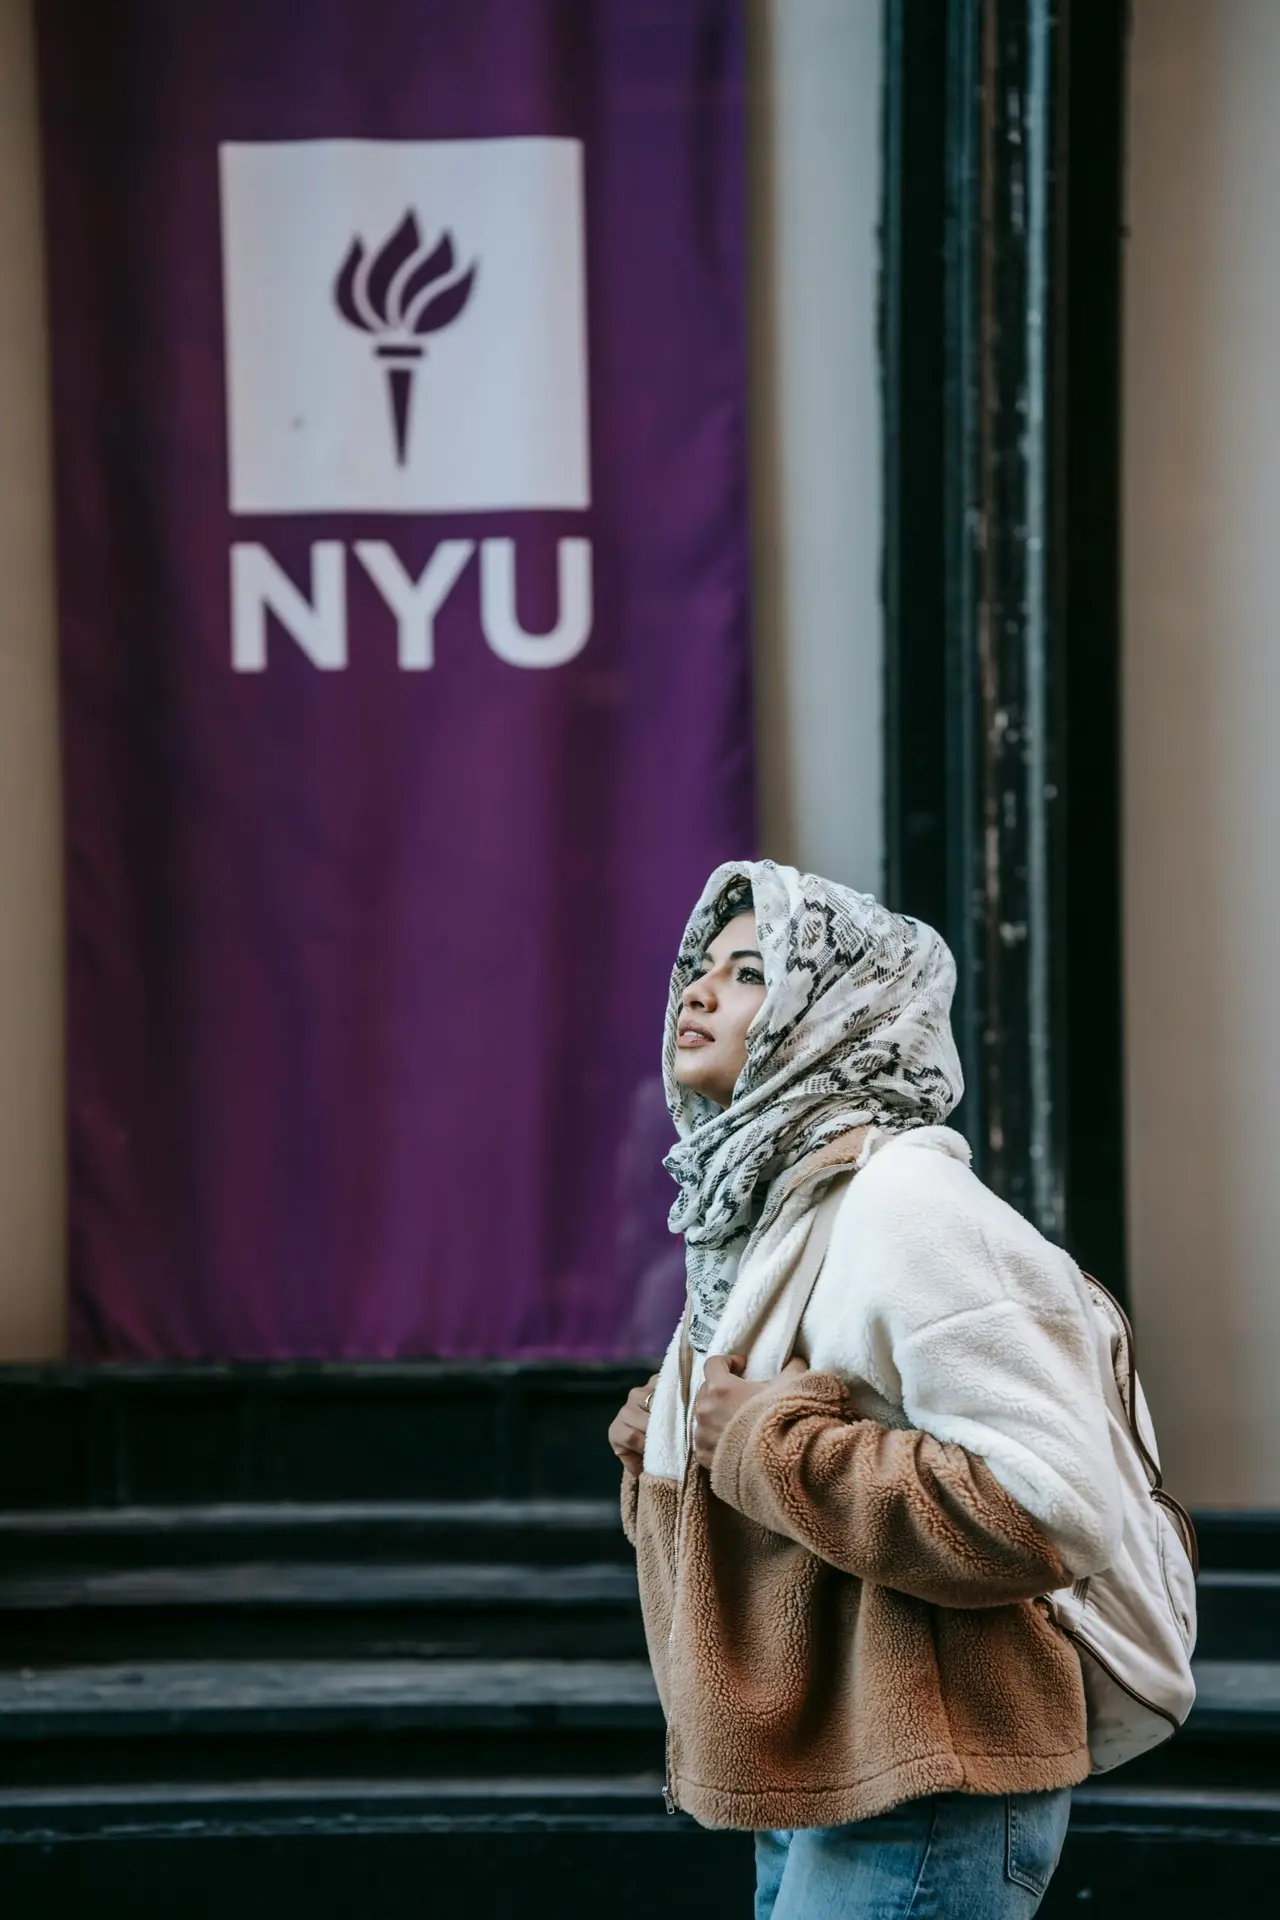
399, 394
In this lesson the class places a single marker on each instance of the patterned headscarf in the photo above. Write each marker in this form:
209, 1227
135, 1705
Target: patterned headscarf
854, 1030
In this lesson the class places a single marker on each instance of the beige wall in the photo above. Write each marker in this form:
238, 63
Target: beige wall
31, 1138
1202, 738
816, 435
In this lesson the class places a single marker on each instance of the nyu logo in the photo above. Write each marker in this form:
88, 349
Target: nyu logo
404, 292
372, 368
494, 417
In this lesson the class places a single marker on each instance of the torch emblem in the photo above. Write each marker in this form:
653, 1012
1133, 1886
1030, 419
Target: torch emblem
400, 294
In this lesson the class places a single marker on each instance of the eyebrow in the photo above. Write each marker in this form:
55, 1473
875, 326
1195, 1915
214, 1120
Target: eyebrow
739, 953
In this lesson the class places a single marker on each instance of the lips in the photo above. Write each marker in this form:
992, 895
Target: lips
689, 1035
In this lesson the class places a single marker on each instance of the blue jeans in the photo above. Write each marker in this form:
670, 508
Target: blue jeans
951, 1856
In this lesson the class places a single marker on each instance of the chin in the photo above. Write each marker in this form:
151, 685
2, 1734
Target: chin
700, 1076
691, 1072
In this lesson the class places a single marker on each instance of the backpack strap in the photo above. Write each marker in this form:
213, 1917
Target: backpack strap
805, 1277
801, 1284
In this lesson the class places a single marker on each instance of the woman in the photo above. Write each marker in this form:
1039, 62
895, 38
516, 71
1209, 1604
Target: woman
840, 1561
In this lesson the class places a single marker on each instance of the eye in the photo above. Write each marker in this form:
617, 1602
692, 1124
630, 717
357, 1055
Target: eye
750, 976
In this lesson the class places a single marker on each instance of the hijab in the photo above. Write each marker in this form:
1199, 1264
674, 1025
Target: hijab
854, 1031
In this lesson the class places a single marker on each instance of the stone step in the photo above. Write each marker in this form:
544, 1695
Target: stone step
187, 1719
121, 1702
1239, 1614
154, 1435
630, 1802
268, 1849
542, 1847
1237, 1697
534, 1531
1238, 1540
230, 1719
322, 1609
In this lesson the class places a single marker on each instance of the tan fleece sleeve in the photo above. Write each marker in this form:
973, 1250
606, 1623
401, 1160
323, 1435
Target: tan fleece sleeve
897, 1508
630, 1500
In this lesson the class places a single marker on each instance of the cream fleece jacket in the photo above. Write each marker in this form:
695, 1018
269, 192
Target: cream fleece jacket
844, 1613
939, 1309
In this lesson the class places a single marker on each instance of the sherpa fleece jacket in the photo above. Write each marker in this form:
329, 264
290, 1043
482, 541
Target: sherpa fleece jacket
846, 1612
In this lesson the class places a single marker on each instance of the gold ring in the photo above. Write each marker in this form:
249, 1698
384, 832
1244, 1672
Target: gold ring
647, 1402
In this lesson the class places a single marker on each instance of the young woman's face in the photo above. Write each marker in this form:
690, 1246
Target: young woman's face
717, 1008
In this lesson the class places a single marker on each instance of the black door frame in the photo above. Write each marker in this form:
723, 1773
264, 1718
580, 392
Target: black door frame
1001, 334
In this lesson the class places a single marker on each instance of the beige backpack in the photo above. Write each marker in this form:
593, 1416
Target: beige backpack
1134, 1625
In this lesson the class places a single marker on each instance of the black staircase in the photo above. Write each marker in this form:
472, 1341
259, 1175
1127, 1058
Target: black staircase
330, 1641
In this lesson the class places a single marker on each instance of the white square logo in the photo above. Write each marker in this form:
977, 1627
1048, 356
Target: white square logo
405, 325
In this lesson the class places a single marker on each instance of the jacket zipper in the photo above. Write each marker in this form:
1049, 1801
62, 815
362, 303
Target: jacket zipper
669, 1800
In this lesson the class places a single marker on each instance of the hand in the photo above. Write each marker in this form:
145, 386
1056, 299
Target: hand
722, 1392
626, 1435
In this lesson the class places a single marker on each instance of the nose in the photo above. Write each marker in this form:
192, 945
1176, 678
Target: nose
699, 995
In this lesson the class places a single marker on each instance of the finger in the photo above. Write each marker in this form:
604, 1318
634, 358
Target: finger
796, 1365
721, 1367
625, 1435
736, 1363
